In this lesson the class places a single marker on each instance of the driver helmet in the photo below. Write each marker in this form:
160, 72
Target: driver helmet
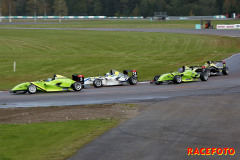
49, 79
180, 70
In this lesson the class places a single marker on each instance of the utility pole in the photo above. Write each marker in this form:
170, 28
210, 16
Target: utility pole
10, 11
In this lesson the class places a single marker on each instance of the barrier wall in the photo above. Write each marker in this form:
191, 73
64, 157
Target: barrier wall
66, 17
228, 26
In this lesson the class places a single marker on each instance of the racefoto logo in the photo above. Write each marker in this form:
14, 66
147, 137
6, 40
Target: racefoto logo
210, 151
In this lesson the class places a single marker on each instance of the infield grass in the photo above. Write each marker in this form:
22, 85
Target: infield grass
41, 53
49, 140
181, 24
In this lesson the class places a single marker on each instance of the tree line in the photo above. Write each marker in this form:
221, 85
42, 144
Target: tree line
118, 7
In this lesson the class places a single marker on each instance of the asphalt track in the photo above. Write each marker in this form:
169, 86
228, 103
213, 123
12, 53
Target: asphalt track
126, 94
160, 132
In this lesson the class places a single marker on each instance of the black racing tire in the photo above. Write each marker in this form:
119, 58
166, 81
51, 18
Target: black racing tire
132, 80
155, 79
97, 83
208, 72
203, 76
77, 86
225, 71
177, 79
32, 89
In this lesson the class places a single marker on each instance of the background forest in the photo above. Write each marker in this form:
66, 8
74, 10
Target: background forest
119, 7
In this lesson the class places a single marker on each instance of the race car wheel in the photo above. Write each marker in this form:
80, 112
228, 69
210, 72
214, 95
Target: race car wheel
32, 89
97, 83
225, 71
132, 80
155, 79
208, 72
177, 79
77, 86
204, 76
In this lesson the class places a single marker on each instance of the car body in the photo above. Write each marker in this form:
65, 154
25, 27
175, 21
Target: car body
184, 74
213, 68
112, 78
57, 83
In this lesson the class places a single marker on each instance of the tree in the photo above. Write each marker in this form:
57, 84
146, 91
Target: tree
82, 7
8, 7
135, 11
97, 8
143, 9
230, 6
38, 7
60, 7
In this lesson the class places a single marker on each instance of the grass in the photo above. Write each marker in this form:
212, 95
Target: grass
183, 24
41, 53
52, 140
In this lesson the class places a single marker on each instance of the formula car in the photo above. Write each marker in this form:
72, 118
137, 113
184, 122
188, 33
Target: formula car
112, 78
212, 68
57, 83
184, 74
215, 67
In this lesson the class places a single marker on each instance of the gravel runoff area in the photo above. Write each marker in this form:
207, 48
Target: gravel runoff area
66, 113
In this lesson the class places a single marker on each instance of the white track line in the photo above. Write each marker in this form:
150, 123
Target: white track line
144, 82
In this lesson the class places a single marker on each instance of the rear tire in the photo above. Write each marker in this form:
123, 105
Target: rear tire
32, 89
225, 71
97, 83
132, 80
155, 79
203, 76
177, 79
77, 86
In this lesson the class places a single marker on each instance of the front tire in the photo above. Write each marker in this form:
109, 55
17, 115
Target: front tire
132, 80
177, 79
208, 72
204, 76
97, 83
225, 71
77, 86
32, 89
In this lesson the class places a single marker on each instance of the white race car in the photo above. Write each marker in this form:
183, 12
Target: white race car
112, 78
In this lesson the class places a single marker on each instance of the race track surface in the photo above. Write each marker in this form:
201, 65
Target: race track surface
123, 94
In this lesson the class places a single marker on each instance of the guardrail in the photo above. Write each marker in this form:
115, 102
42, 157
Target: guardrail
67, 17
195, 17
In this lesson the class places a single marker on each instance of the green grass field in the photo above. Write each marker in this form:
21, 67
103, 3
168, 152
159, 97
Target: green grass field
118, 24
45, 141
41, 53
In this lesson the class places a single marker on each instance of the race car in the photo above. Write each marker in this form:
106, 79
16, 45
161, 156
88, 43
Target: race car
215, 67
212, 68
57, 83
184, 74
112, 78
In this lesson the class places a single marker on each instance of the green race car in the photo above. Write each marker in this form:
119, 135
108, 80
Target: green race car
213, 68
57, 83
184, 74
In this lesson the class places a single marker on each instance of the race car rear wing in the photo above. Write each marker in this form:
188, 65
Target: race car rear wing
223, 62
78, 78
134, 72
